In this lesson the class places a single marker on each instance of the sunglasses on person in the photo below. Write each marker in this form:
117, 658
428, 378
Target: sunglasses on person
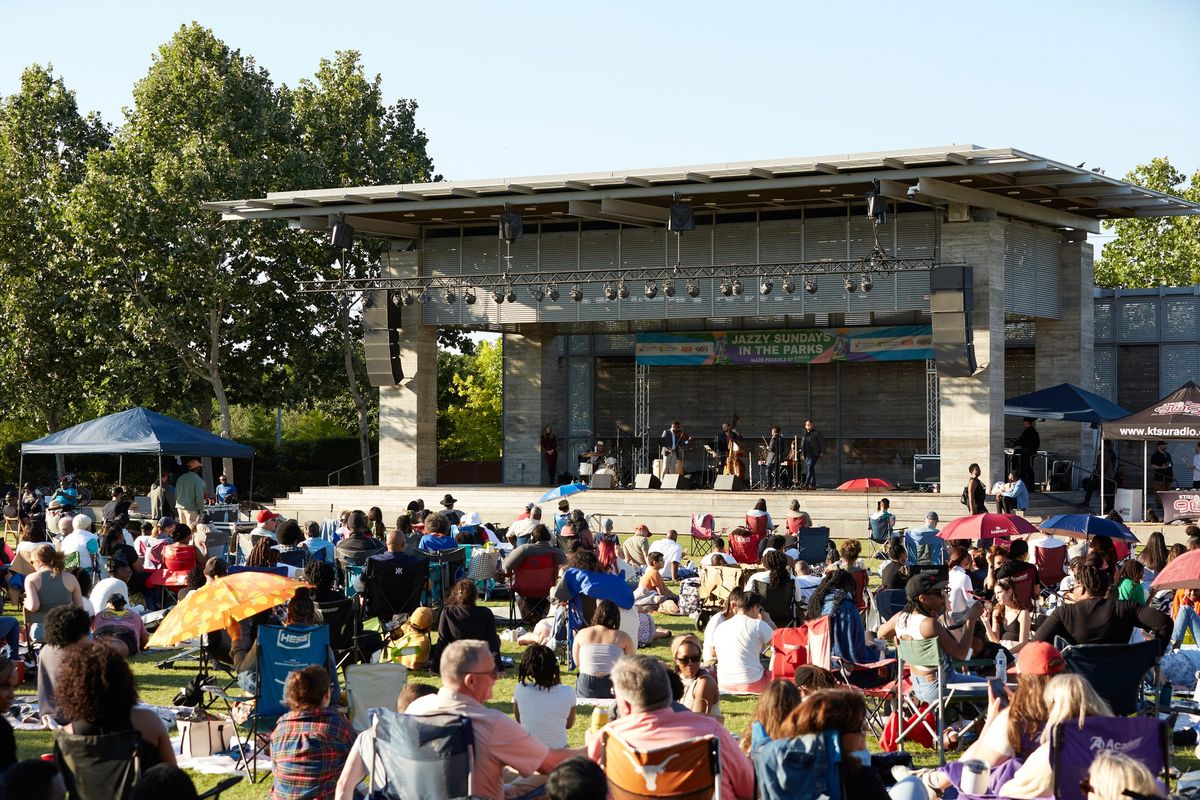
688, 659
1086, 787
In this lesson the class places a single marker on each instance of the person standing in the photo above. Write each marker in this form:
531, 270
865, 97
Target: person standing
1162, 470
812, 444
548, 444
226, 491
1025, 450
189, 493
671, 448
775, 457
974, 495
162, 498
1196, 468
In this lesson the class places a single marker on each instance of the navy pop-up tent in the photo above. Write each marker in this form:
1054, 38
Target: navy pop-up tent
138, 431
1065, 401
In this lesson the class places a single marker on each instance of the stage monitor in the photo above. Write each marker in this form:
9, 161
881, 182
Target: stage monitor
677, 482
646, 480
927, 469
731, 483
602, 480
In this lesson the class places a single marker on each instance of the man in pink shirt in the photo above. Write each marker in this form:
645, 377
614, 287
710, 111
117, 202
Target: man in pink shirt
647, 722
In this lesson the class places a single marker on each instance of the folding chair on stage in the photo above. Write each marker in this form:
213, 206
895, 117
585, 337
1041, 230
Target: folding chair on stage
927, 654
280, 651
703, 531
687, 770
1072, 748
426, 756
1117, 672
371, 686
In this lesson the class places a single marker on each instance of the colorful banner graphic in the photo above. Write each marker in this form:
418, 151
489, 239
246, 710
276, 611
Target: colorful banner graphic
1182, 506
800, 346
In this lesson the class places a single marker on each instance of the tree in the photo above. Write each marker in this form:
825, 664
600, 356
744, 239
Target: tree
355, 140
207, 123
475, 414
1154, 251
54, 333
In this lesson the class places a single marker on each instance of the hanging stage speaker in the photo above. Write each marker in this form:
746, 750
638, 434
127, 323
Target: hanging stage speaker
731, 483
381, 337
678, 482
602, 480
511, 226
950, 301
341, 235
646, 480
682, 217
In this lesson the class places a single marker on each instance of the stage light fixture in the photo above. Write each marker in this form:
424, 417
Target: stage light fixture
407, 297
787, 286
737, 286
396, 298
576, 293
810, 286
669, 288
609, 292
537, 294
449, 296
651, 290
510, 295
726, 289
498, 295
766, 286
424, 298
469, 295
622, 290
848, 285
692, 289
866, 283
552, 291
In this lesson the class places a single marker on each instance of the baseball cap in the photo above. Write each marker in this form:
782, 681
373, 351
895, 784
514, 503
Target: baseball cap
421, 618
933, 515
1040, 658
926, 583
166, 522
266, 515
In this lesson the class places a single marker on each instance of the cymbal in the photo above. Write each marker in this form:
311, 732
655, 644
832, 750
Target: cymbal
624, 427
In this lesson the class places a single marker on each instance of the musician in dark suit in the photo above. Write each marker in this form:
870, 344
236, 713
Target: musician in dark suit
670, 448
776, 455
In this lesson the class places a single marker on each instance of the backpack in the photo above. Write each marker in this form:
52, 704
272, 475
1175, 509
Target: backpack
689, 596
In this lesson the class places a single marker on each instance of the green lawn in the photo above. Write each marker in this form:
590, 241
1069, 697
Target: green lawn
158, 687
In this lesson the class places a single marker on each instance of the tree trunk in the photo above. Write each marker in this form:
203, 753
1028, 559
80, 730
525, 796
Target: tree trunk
60, 461
218, 385
204, 411
360, 403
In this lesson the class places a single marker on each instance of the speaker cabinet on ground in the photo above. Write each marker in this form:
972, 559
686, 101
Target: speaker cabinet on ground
646, 480
950, 301
602, 480
381, 338
731, 483
678, 482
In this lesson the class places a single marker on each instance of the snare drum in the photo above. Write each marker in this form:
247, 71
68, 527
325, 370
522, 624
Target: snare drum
585, 469
610, 463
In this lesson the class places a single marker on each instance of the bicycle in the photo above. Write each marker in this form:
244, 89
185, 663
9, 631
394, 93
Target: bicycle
85, 494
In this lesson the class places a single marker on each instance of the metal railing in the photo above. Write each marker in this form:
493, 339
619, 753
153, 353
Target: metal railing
338, 472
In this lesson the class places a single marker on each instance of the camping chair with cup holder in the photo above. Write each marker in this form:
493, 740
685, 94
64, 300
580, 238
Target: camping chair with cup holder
687, 770
391, 588
927, 654
422, 756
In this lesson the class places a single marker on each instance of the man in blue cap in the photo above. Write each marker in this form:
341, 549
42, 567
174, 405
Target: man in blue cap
924, 545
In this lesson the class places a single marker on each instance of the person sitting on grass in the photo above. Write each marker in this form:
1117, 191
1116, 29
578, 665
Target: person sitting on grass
651, 590
311, 741
774, 705
810, 678
596, 649
739, 643
577, 779
34, 779
121, 627
65, 626
700, 692
541, 703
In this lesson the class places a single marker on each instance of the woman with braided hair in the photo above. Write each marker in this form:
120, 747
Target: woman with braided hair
1097, 618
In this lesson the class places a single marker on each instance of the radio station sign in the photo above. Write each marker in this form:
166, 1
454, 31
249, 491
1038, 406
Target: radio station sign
801, 346
1182, 505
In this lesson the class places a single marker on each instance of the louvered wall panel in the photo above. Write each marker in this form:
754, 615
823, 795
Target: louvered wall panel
560, 251
882, 296
916, 235
1103, 321
524, 252
825, 239
781, 241
1020, 282
912, 291
735, 243
1104, 366
778, 303
1138, 320
1047, 249
862, 236
480, 253
442, 256
594, 307
1179, 322
598, 249
682, 306
695, 246
484, 309
643, 247
1180, 364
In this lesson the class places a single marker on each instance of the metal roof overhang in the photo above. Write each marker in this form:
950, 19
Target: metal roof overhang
1010, 181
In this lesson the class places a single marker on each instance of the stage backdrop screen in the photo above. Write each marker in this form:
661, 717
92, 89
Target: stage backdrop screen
796, 346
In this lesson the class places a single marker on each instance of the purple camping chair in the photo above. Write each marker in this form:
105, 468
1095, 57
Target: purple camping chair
1073, 747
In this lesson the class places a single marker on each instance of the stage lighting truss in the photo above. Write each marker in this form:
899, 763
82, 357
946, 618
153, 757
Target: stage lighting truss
857, 275
448, 296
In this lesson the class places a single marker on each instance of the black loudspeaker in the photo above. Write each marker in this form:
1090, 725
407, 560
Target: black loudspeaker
679, 482
602, 480
731, 483
950, 301
682, 217
511, 226
646, 480
341, 235
381, 337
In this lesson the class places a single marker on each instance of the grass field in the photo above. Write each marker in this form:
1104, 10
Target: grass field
158, 687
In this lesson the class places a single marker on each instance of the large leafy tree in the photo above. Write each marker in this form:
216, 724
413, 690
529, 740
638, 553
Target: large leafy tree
1154, 251
354, 139
214, 298
55, 334
474, 415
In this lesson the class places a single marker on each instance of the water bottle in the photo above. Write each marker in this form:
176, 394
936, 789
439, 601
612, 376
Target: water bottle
1002, 665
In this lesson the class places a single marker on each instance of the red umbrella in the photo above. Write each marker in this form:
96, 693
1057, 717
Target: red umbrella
864, 485
1182, 573
988, 526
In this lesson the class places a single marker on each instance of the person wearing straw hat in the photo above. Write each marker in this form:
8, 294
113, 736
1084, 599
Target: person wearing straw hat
455, 516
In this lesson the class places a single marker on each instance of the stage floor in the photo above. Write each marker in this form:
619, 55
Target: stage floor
844, 513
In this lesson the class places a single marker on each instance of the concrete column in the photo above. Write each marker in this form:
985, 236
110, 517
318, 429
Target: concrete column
523, 412
408, 413
1065, 347
972, 409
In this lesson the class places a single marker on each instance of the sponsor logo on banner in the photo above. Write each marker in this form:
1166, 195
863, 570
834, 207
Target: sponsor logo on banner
1100, 743
1186, 407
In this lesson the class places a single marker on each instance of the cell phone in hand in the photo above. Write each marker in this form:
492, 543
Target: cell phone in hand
999, 690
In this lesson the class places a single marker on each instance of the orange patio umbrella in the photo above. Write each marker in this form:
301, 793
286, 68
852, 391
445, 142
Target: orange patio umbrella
215, 605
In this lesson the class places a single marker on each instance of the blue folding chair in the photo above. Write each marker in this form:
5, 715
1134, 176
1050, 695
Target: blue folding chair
422, 756
281, 650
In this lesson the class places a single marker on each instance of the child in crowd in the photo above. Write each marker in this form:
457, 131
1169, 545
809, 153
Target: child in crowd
410, 643
541, 703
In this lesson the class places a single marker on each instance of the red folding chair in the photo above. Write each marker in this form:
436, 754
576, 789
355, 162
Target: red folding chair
860, 576
703, 531
1051, 564
743, 546
533, 579
757, 525
792, 648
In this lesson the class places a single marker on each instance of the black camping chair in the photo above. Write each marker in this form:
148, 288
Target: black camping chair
346, 636
780, 603
812, 544
1116, 671
101, 767
392, 588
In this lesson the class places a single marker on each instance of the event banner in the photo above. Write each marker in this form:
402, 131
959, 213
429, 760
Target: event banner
1182, 505
799, 346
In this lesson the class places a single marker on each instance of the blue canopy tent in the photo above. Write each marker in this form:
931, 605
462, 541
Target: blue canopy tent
137, 431
1066, 402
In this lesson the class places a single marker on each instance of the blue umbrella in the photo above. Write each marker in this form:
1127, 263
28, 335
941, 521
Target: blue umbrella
1083, 526
563, 491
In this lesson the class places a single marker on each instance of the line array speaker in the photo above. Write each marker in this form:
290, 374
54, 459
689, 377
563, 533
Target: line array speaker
381, 338
950, 301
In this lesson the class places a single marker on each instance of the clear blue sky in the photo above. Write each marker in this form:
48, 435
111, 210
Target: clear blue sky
527, 88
